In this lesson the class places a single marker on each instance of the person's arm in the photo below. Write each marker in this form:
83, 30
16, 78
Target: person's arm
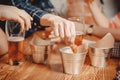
99, 17
101, 31
15, 14
34, 11
61, 27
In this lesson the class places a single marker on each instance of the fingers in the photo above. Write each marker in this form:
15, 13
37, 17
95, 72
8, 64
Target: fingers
27, 19
56, 32
73, 33
15, 14
26, 14
67, 29
70, 31
53, 38
64, 29
21, 21
61, 30
23, 18
61, 27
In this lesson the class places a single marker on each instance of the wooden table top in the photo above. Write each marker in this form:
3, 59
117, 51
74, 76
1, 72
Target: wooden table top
54, 70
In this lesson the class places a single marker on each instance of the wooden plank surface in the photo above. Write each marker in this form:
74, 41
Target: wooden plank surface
53, 70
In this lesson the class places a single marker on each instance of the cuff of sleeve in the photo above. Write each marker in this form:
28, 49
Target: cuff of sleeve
37, 16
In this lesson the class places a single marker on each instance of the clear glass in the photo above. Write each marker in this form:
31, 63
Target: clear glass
15, 42
79, 24
79, 18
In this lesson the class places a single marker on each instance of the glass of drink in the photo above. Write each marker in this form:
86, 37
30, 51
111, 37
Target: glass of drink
72, 63
78, 38
15, 42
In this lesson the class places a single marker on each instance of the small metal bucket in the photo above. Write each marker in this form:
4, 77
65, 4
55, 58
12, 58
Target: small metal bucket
72, 63
99, 56
40, 50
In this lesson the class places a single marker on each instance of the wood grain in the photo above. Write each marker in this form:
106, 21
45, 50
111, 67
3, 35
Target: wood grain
53, 70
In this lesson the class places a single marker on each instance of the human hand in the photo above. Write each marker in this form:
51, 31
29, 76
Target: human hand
61, 27
15, 14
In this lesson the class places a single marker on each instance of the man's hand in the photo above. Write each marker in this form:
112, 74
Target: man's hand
15, 14
61, 27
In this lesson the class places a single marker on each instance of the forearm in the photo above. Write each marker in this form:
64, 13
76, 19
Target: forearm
99, 17
100, 32
35, 12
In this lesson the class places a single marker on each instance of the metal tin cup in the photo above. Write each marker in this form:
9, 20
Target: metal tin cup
72, 63
99, 56
40, 50
39, 53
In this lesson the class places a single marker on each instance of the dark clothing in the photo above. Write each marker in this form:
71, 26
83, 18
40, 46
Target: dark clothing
115, 52
36, 8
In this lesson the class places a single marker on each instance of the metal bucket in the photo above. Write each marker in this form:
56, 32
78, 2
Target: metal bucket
99, 56
40, 50
72, 63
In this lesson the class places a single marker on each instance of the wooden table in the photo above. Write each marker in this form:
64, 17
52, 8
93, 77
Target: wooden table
54, 71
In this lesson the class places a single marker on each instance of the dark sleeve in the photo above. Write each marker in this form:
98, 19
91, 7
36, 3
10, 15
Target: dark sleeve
35, 12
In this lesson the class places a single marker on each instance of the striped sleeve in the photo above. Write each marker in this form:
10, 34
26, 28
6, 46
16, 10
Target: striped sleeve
34, 11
